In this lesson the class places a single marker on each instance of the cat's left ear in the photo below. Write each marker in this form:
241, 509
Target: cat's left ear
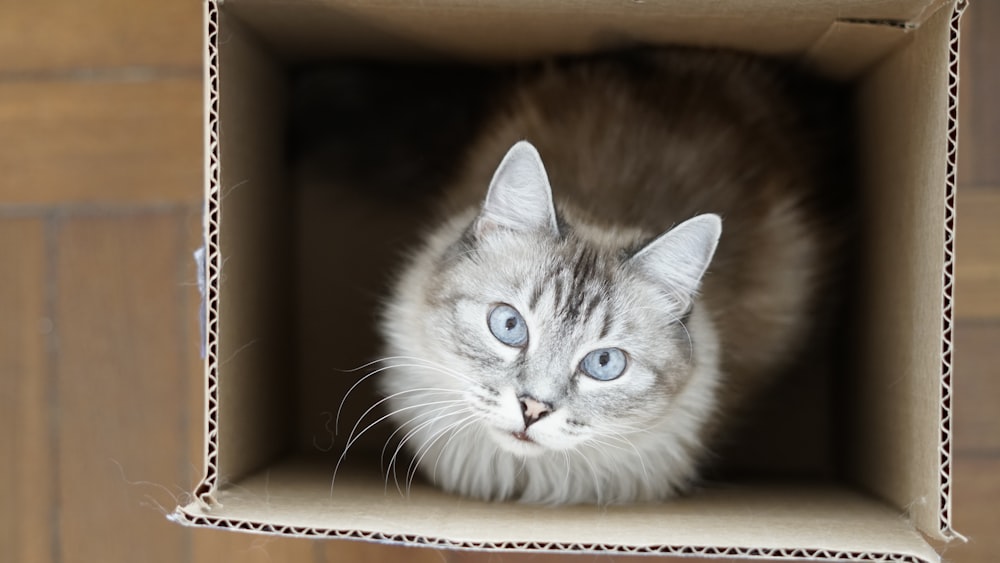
679, 257
519, 198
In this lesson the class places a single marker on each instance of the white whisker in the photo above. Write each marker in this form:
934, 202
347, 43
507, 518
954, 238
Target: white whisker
352, 438
418, 457
406, 438
431, 413
450, 438
638, 454
336, 425
593, 472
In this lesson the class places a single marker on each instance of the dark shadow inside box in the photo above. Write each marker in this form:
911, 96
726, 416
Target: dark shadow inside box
370, 146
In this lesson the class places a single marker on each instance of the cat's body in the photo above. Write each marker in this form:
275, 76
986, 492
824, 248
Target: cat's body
631, 148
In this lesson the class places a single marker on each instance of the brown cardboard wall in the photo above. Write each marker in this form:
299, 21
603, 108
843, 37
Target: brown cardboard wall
254, 348
895, 422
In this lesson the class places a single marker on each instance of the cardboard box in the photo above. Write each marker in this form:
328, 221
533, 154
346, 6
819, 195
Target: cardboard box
272, 346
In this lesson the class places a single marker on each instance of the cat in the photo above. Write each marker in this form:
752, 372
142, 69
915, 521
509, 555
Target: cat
633, 248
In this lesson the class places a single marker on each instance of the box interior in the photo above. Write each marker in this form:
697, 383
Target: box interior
303, 260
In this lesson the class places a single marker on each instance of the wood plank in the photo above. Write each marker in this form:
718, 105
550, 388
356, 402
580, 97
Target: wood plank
979, 117
213, 546
77, 142
343, 551
119, 392
549, 557
977, 387
976, 497
53, 35
977, 284
25, 455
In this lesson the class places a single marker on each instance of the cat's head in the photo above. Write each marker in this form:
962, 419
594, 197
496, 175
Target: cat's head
560, 334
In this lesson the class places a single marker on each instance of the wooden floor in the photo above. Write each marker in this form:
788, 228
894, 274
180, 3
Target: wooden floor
100, 389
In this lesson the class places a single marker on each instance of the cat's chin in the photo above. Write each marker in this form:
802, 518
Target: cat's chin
517, 443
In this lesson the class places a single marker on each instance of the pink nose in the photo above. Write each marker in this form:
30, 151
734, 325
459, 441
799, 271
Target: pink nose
533, 410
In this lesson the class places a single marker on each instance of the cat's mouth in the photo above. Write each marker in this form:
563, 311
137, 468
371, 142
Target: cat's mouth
522, 436
517, 442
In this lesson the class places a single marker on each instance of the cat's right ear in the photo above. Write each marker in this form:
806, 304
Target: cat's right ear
520, 197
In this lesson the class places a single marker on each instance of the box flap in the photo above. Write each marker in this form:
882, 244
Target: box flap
849, 47
498, 29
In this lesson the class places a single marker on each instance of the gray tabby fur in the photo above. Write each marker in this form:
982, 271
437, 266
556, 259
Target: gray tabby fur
640, 167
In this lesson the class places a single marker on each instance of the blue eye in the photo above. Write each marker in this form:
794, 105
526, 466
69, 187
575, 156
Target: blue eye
508, 326
604, 364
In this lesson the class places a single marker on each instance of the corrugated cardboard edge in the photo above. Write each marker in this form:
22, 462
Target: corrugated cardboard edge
213, 263
204, 492
811, 554
944, 447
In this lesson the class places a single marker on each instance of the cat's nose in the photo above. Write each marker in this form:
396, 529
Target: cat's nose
533, 410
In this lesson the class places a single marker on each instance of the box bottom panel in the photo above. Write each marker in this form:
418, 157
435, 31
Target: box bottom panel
816, 520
